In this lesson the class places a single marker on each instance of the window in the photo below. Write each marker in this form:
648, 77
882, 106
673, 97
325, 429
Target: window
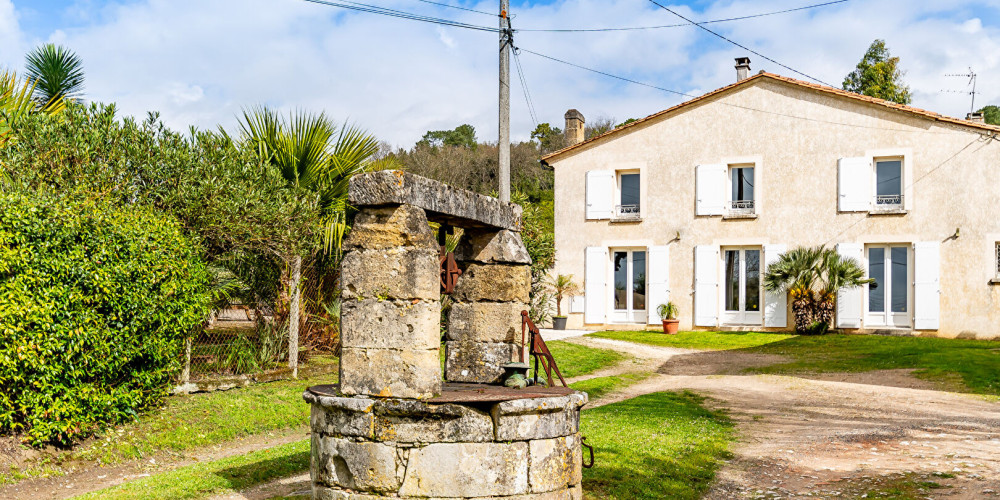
741, 195
998, 260
630, 286
889, 293
888, 184
628, 196
742, 286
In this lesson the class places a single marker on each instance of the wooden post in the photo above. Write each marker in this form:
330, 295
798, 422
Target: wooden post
293, 318
186, 374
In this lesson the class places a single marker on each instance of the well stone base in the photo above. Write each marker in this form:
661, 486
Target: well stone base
367, 448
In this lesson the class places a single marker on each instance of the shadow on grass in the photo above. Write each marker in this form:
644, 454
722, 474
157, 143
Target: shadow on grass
252, 474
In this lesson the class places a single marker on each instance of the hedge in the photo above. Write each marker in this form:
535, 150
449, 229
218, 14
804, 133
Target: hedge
95, 301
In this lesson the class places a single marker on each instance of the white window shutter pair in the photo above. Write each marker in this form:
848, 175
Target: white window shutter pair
710, 189
600, 194
926, 285
854, 177
849, 300
706, 285
595, 284
775, 303
657, 287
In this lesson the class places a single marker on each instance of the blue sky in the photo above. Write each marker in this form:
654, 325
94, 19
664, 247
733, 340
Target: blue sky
199, 62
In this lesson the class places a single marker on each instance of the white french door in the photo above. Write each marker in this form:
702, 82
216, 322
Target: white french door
629, 278
888, 297
742, 291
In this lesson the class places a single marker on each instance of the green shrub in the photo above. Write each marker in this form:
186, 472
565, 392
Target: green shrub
94, 304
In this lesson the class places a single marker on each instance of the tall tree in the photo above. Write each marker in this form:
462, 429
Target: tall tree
57, 72
991, 114
462, 135
878, 75
549, 138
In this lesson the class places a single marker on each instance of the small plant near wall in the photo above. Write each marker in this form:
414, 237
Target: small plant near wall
561, 285
668, 314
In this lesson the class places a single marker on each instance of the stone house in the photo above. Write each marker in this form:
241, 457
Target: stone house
690, 205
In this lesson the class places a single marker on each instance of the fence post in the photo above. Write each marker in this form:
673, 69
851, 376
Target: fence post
186, 374
293, 319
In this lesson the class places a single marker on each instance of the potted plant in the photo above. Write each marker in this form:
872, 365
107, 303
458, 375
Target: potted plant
668, 313
561, 285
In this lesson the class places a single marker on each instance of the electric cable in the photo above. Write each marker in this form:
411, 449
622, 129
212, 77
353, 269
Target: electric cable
373, 9
744, 47
470, 10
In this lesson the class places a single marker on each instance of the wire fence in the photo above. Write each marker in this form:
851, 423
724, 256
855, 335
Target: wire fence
244, 344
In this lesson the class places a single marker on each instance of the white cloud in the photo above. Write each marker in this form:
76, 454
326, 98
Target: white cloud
199, 62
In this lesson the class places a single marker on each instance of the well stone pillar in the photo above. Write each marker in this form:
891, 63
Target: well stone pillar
390, 307
484, 325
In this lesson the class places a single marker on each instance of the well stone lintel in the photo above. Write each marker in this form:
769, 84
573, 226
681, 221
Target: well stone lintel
443, 203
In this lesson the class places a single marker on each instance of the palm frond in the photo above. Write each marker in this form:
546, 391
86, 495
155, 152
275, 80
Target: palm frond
58, 72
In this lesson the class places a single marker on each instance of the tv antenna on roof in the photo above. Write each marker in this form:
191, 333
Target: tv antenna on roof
971, 75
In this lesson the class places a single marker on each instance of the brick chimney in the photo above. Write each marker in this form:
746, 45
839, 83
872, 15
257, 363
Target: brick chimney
742, 68
976, 117
574, 127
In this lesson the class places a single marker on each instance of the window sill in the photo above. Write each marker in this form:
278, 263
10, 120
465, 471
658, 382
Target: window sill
626, 221
738, 216
888, 211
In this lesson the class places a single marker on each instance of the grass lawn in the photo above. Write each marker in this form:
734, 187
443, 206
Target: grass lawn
211, 478
575, 360
696, 340
975, 364
662, 445
600, 386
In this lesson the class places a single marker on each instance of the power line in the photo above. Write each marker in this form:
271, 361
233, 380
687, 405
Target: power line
524, 87
739, 45
491, 14
373, 9
691, 96
634, 28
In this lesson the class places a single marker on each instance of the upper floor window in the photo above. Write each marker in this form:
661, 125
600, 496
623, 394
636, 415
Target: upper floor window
628, 196
888, 184
741, 195
997, 269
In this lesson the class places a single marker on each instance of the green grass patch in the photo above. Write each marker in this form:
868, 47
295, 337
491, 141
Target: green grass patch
575, 359
973, 363
696, 340
210, 478
200, 420
601, 386
661, 445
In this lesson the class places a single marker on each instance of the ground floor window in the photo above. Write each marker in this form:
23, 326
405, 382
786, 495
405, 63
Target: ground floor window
889, 294
630, 286
742, 286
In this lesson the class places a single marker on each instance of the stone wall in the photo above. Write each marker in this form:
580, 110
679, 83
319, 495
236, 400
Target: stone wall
367, 448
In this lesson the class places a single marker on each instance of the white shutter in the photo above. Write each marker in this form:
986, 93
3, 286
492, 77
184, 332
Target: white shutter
657, 288
710, 189
706, 285
775, 303
849, 300
854, 175
595, 290
926, 285
577, 304
600, 194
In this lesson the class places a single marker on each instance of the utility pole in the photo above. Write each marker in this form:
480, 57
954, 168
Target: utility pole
504, 143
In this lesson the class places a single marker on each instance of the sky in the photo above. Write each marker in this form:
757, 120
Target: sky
201, 62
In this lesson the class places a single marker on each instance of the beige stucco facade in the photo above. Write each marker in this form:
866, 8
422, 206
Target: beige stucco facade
794, 136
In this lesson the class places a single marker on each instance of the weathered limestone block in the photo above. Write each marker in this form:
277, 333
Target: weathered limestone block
467, 470
325, 493
446, 204
341, 416
395, 273
390, 373
493, 247
357, 465
390, 324
539, 418
409, 421
477, 362
390, 227
495, 283
554, 464
486, 321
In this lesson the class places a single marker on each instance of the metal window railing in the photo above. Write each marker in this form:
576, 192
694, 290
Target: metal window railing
625, 212
741, 207
888, 202
998, 260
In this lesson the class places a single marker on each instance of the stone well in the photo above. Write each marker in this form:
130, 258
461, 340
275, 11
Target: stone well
392, 428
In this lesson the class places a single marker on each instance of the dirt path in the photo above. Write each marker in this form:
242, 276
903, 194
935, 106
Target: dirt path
832, 435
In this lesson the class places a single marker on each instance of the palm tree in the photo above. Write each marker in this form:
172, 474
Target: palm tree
561, 285
57, 71
811, 276
312, 154
16, 103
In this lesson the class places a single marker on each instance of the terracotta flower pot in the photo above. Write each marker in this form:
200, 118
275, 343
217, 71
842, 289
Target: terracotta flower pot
670, 326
